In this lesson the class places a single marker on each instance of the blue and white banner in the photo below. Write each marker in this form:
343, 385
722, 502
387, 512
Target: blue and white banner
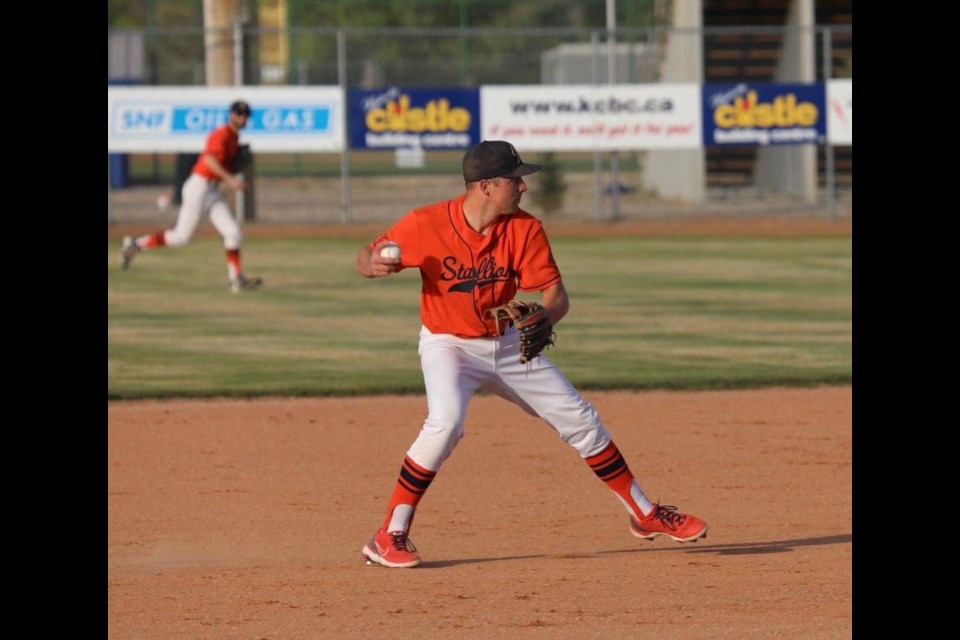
179, 119
533, 117
763, 114
400, 117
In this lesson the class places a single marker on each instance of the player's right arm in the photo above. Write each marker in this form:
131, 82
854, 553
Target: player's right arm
370, 264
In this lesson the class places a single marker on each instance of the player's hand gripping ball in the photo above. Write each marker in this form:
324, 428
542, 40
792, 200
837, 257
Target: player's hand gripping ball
531, 320
390, 251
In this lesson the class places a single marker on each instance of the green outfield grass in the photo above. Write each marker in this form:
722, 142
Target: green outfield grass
666, 312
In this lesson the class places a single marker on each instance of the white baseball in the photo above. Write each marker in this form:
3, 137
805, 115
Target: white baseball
390, 251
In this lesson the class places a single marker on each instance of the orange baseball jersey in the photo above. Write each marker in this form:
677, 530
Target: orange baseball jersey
464, 272
223, 143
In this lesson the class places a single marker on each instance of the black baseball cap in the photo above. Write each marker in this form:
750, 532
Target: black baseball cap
495, 159
240, 107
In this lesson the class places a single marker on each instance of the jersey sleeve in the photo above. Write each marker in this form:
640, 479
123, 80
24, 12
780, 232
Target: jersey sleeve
216, 144
405, 232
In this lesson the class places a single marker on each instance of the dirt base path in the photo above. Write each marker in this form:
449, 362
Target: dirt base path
245, 519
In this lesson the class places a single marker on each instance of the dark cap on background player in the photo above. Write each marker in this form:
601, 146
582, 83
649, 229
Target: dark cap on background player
240, 108
495, 159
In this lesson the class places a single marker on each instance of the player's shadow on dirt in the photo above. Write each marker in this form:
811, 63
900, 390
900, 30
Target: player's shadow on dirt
745, 548
777, 546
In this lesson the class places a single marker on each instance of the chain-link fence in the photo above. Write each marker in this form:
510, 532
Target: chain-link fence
444, 57
470, 57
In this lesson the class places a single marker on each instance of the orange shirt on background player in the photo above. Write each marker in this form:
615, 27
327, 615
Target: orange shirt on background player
223, 142
464, 272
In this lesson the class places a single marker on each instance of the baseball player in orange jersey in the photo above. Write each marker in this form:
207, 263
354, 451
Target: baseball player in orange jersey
474, 252
201, 195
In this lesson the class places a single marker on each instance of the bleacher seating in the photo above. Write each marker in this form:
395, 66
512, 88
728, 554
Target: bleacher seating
732, 55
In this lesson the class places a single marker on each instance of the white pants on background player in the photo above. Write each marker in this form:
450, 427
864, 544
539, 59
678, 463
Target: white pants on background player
200, 196
455, 368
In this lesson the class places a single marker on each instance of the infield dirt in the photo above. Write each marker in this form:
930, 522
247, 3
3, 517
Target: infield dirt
245, 519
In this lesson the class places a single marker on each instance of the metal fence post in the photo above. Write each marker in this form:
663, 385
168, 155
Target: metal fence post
240, 212
597, 158
831, 178
612, 79
345, 152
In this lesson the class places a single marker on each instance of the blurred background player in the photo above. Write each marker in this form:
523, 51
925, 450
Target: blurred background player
201, 195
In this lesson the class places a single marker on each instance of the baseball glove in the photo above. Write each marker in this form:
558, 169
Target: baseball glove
531, 320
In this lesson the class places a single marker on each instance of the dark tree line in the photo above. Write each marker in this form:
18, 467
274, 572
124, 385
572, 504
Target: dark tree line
397, 13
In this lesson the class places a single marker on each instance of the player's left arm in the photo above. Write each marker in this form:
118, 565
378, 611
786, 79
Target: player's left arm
537, 268
556, 301
217, 167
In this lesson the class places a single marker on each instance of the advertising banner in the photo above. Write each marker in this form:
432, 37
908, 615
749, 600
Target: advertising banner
763, 114
840, 112
178, 119
399, 117
592, 117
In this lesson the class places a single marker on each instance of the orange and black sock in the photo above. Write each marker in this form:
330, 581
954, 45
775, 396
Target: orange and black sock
233, 264
611, 467
152, 241
412, 483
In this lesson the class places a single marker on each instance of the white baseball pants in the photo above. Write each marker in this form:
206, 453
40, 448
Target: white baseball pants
455, 368
200, 196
